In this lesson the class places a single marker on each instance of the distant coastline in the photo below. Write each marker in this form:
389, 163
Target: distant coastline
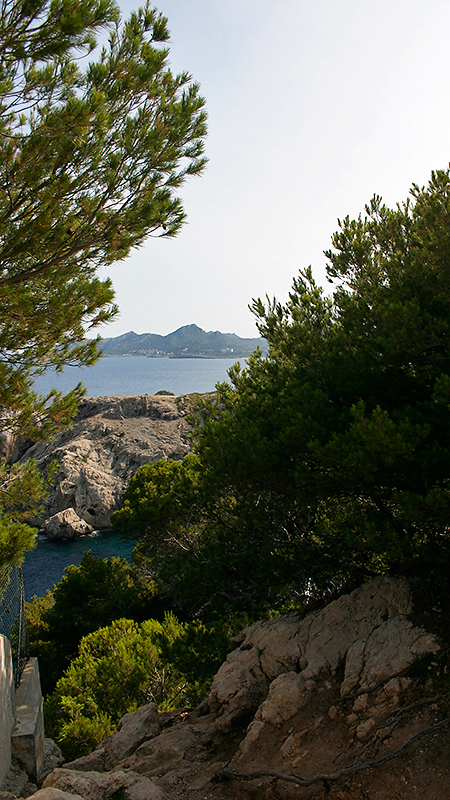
189, 341
170, 355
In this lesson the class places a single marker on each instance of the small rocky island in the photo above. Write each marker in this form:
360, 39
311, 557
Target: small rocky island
109, 439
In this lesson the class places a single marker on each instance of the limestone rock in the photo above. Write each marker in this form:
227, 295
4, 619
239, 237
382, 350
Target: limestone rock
52, 758
326, 637
12, 446
286, 697
390, 649
238, 688
319, 642
54, 794
157, 755
178, 753
110, 438
133, 729
102, 786
253, 733
66, 525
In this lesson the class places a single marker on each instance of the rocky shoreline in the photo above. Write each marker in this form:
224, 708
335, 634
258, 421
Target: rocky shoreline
109, 439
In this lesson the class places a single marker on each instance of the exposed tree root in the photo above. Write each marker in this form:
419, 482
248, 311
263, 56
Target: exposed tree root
391, 722
227, 774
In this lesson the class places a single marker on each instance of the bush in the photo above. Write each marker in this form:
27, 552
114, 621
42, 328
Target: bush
125, 665
88, 597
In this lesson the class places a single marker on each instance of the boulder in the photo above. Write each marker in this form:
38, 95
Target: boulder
52, 758
285, 698
238, 688
387, 651
54, 794
133, 729
103, 786
181, 752
110, 438
66, 525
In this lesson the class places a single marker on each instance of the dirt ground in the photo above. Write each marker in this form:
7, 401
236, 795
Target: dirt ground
326, 737
327, 746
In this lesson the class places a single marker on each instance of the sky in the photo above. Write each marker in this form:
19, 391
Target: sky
314, 106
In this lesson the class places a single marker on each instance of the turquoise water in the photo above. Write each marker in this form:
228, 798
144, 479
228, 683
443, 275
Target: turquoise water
45, 565
140, 375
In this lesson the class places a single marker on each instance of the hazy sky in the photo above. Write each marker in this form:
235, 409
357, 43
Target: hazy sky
314, 106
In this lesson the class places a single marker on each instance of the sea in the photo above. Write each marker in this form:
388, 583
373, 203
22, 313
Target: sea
121, 375
44, 566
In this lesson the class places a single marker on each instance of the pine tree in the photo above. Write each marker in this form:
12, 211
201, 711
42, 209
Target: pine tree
94, 146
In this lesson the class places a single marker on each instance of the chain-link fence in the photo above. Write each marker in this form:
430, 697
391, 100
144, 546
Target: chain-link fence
12, 616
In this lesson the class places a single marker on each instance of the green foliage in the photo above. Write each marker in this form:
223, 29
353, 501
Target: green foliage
93, 151
157, 494
15, 539
36, 613
88, 597
328, 460
79, 735
123, 666
22, 488
196, 653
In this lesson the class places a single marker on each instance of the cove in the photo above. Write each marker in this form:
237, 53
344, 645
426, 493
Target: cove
45, 564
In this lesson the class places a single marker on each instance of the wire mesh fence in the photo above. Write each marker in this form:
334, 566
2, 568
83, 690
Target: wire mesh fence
12, 616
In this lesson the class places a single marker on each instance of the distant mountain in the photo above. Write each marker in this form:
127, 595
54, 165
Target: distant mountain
190, 341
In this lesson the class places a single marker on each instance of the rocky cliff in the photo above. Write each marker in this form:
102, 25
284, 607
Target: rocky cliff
110, 438
327, 704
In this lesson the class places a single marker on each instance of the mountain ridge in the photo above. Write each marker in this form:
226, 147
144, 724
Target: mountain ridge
188, 341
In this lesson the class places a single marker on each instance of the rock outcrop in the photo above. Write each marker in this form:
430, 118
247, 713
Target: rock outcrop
299, 695
66, 525
368, 631
110, 438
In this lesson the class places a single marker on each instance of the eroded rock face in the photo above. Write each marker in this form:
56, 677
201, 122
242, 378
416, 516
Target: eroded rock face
133, 729
388, 650
110, 438
368, 628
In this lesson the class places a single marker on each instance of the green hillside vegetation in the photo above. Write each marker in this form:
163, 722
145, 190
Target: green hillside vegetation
319, 466
190, 341
327, 461
107, 643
